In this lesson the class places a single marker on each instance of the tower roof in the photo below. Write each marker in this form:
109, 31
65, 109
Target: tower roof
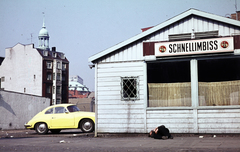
43, 31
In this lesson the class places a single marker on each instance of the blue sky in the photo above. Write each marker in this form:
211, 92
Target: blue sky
82, 28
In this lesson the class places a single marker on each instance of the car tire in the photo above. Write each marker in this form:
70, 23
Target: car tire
87, 125
55, 131
41, 128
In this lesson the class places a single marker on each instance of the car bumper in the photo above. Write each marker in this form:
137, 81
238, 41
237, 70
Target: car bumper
27, 126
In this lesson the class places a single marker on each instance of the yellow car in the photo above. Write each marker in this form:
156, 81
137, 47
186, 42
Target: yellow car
61, 116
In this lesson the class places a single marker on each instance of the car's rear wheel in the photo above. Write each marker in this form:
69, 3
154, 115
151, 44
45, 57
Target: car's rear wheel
55, 131
87, 125
41, 128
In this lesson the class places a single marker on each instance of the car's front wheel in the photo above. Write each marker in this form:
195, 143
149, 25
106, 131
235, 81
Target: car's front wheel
41, 128
87, 125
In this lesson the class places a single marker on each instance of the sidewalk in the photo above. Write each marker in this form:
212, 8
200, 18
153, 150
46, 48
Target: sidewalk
77, 141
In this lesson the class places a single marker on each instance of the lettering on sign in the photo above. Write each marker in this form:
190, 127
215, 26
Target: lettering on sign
194, 47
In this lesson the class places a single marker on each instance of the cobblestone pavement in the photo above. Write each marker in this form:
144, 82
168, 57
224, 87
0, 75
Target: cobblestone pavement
74, 140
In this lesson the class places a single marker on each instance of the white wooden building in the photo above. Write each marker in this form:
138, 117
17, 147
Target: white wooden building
183, 73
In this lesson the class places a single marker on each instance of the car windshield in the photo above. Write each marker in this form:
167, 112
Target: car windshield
73, 108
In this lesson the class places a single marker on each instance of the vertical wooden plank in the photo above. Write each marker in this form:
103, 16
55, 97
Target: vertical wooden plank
145, 95
96, 99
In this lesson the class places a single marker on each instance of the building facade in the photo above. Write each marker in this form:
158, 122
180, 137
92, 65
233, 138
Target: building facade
37, 71
76, 88
183, 73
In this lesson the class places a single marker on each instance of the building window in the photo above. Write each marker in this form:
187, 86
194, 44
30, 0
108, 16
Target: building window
53, 102
54, 55
48, 89
49, 76
61, 55
2, 79
45, 53
130, 88
49, 65
58, 90
58, 101
58, 65
63, 77
53, 76
53, 90
169, 84
64, 66
219, 82
25, 90
58, 76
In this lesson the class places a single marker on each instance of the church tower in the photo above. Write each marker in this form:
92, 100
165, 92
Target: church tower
43, 38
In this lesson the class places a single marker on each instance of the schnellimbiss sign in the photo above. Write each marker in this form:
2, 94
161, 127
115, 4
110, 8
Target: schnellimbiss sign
216, 45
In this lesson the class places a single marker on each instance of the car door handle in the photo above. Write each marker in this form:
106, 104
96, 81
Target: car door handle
53, 117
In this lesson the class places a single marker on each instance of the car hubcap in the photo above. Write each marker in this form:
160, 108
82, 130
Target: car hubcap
42, 127
87, 126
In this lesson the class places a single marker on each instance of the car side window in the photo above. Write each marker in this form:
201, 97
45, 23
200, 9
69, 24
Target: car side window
49, 111
60, 110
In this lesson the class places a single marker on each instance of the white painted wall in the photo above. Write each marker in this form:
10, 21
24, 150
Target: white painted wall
21, 64
114, 115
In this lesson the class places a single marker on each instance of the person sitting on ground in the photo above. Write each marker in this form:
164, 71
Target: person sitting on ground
161, 132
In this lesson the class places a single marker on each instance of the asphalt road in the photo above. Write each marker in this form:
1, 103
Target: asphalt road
75, 140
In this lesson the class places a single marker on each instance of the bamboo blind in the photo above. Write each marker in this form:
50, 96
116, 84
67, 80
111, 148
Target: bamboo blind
169, 94
219, 93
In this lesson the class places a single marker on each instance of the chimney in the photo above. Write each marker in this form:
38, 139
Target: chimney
235, 16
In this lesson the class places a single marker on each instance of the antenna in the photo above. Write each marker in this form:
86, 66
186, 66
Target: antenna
43, 19
31, 37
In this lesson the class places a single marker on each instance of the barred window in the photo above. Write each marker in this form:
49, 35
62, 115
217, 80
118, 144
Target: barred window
130, 88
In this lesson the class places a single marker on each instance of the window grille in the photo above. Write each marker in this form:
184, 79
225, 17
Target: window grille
130, 88
209, 34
